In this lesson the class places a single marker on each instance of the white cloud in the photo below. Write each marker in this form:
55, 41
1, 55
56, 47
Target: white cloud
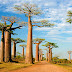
43, 29
54, 12
50, 4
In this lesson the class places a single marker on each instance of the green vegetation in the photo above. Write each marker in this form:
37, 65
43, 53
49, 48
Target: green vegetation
69, 19
66, 66
64, 63
5, 67
56, 60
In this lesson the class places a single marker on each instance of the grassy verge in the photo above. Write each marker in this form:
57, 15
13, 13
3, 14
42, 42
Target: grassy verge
5, 67
65, 66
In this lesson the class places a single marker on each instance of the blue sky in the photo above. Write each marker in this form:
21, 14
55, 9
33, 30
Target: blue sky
55, 11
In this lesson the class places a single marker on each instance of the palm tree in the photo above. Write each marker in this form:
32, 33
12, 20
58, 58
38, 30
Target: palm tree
15, 41
37, 41
69, 19
24, 46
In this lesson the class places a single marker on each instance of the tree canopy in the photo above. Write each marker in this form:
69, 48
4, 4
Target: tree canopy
24, 45
52, 45
28, 9
38, 40
17, 40
69, 19
32, 9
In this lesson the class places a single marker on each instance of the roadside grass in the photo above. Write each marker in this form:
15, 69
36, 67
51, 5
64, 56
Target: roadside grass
65, 66
5, 67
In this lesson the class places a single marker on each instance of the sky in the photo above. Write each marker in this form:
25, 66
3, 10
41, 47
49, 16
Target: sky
55, 11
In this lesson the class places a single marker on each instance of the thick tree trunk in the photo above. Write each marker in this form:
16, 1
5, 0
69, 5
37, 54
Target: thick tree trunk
29, 54
14, 50
23, 52
37, 53
2, 47
69, 58
7, 46
41, 56
51, 54
49, 57
46, 56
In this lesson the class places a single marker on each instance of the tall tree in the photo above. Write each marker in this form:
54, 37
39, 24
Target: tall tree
69, 19
37, 41
2, 28
46, 54
30, 10
8, 32
15, 41
53, 45
50, 45
24, 46
40, 54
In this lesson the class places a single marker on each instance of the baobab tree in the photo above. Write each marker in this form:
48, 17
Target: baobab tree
37, 41
40, 54
69, 19
46, 54
69, 52
8, 32
23, 46
2, 28
29, 10
15, 41
53, 45
50, 45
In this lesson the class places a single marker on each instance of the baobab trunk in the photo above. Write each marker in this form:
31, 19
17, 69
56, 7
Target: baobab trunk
14, 50
2, 47
41, 56
29, 54
49, 57
7, 46
46, 56
37, 53
51, 54
69, 57
23, 52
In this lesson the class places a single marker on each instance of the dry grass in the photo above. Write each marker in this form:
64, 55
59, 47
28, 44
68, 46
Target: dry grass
5, 67
65, 66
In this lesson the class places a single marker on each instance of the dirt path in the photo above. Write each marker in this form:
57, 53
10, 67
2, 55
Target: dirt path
43, 66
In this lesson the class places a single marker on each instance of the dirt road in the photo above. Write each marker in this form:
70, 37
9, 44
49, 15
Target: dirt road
43, 66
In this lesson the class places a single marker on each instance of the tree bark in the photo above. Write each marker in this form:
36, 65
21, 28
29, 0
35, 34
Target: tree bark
29, 53
14, 50
69, 57
49, 57
2, 47
7, 46
41, 56
37, 53
23, 52
51, 54
46, 56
